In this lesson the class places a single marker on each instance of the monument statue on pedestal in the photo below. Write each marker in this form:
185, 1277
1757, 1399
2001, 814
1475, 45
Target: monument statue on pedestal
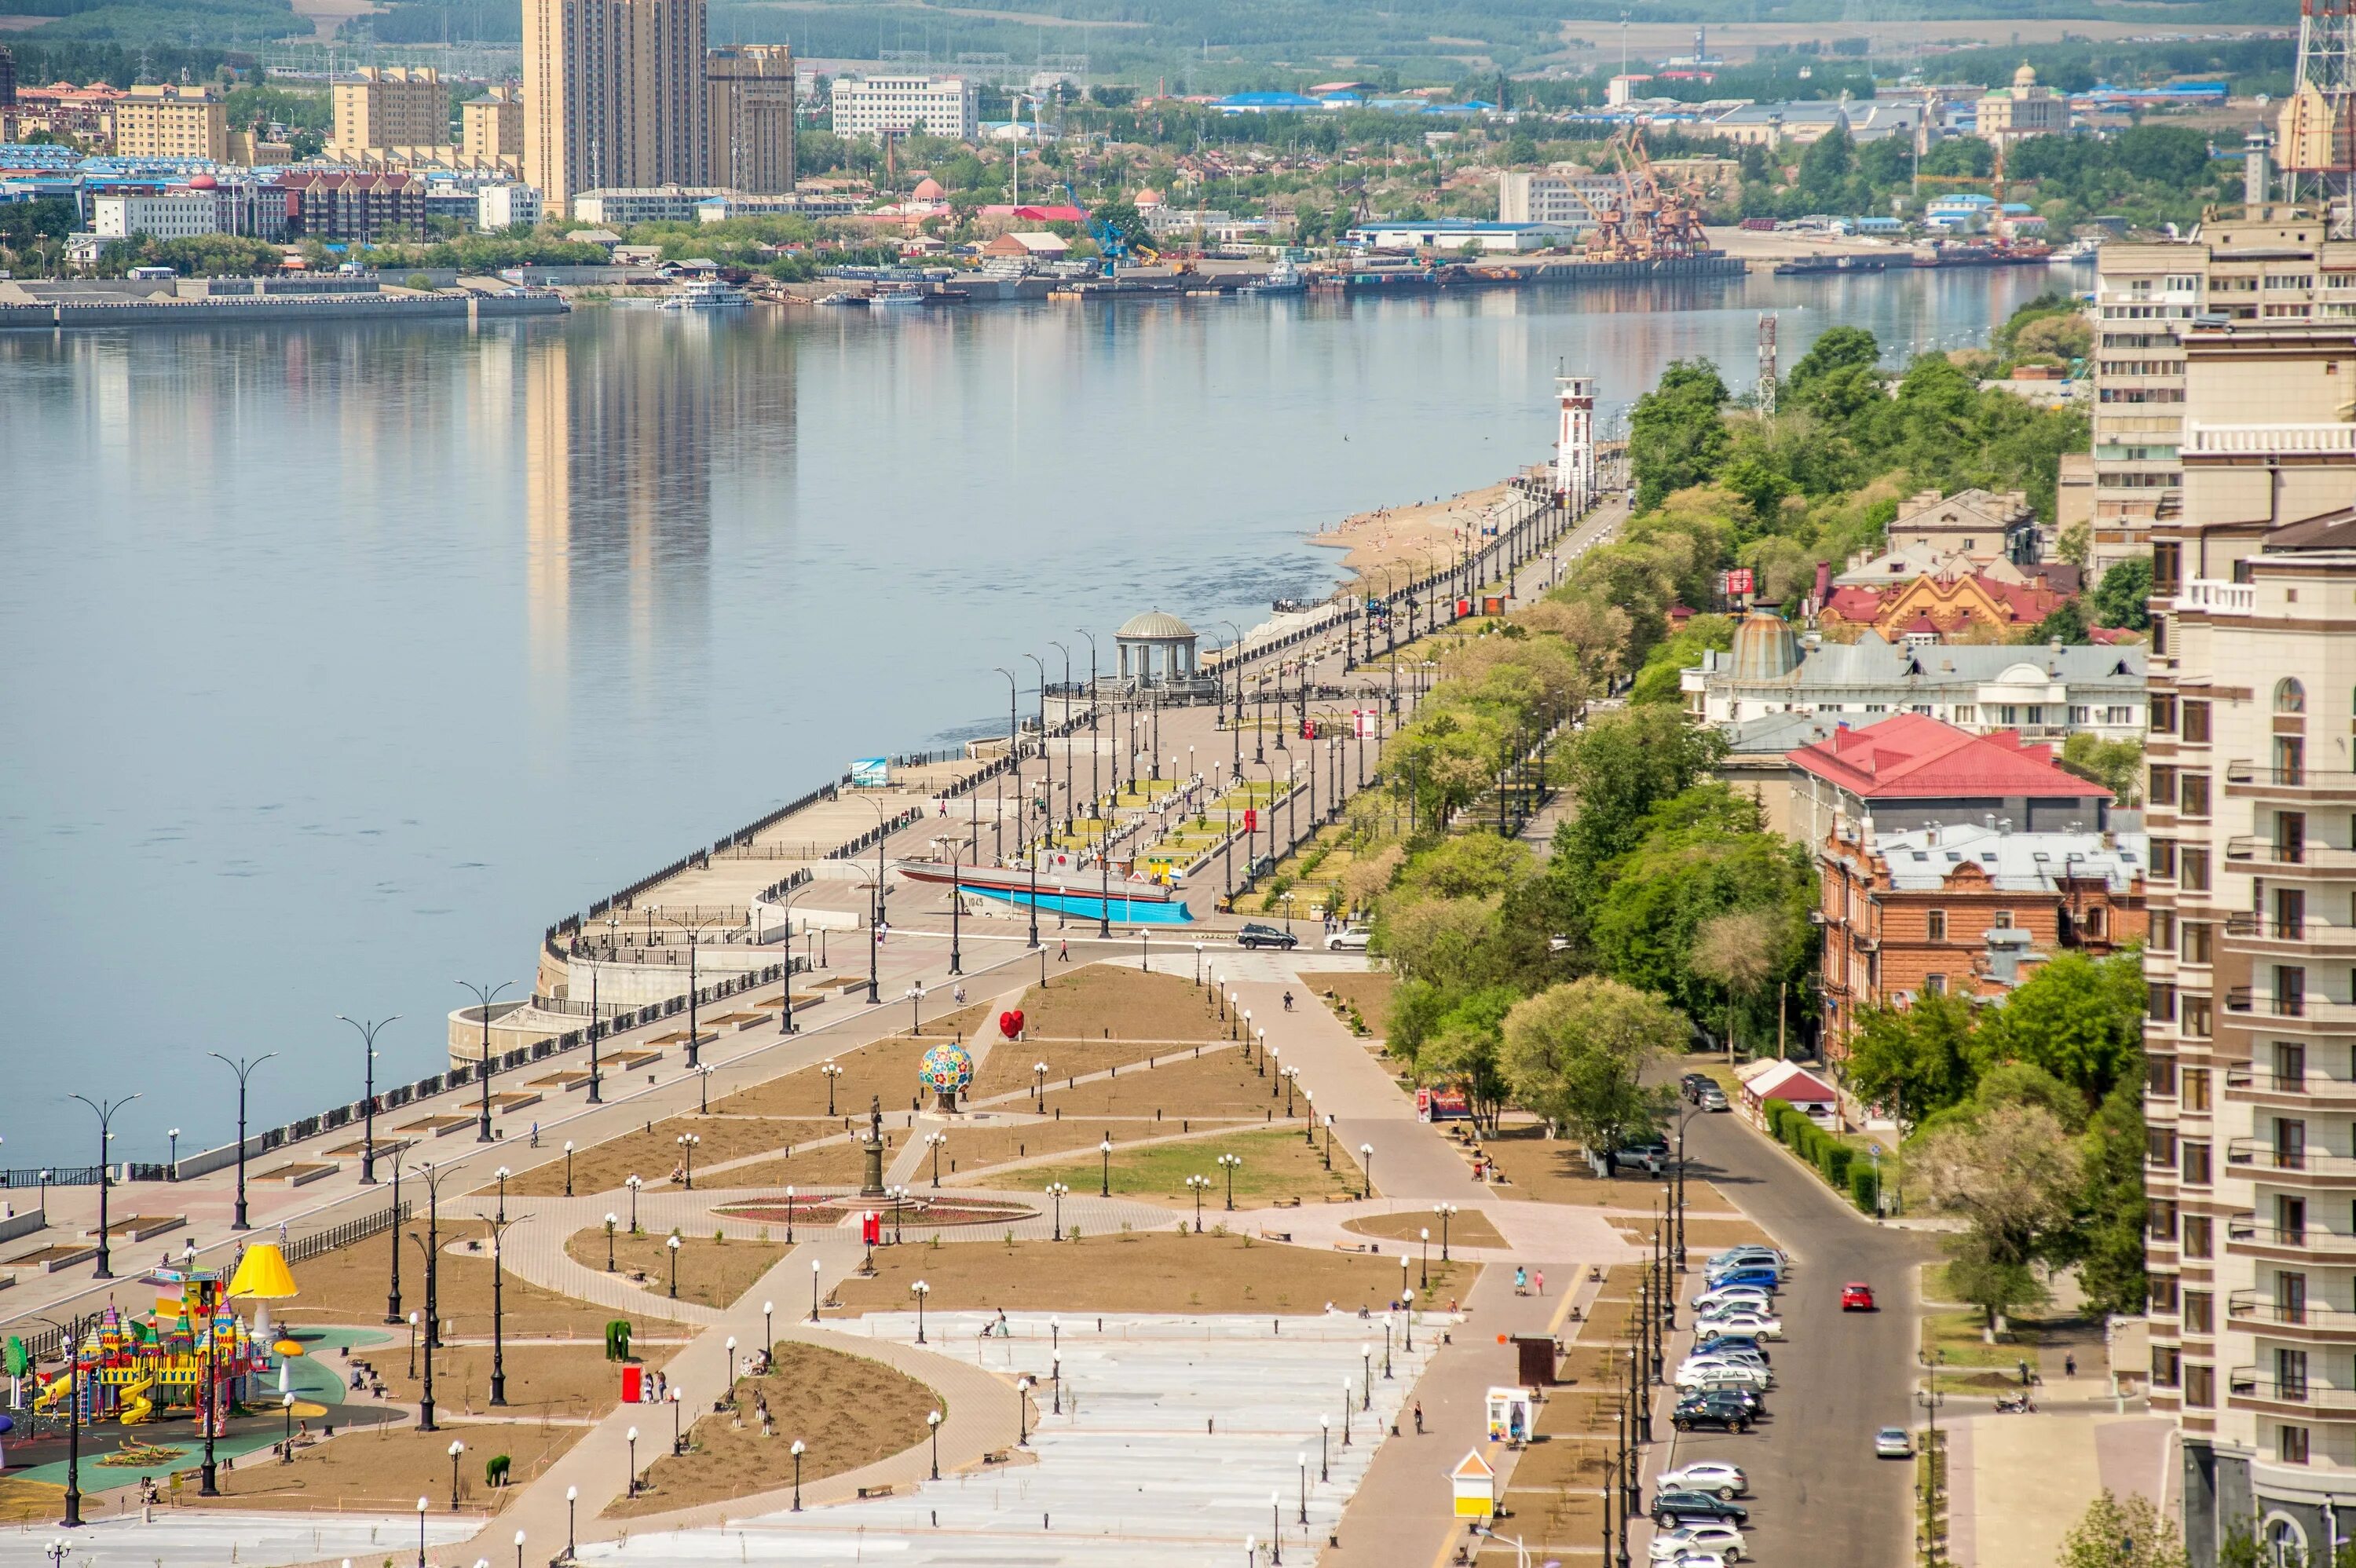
873, 1184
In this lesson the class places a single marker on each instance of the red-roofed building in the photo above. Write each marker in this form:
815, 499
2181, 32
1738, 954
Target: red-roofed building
1944, 605
1908, 770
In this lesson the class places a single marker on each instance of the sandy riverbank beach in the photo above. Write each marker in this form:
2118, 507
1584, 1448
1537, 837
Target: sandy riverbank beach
1420, 535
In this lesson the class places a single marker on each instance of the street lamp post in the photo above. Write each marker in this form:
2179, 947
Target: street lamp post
106, 1109
500, 1229
568, 1168
1324, 1436
1445, 1211
71, 1332
686, 1142
1198, 1185
830, 1072
815, 1266
672, 1245
244, 1070
933, 1419
609, 1243
1104, 1151
630, 1437
1230, 1164
938, 1141
368, 1096
483, 1066
1056, 1190
1366, 1158
797, 1451
634, 1183
457, 1448
920, 1290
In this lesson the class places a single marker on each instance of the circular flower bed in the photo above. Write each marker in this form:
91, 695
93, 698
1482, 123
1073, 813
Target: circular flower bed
915, 1211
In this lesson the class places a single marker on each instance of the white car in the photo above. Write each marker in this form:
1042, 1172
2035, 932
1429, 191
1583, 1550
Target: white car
1753, 1256
1697, 1373
1720, 1540
1720, 1480
1732, 1294
1758, 1325
1349, 939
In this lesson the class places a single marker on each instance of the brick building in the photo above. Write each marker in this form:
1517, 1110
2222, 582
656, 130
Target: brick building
1966, 909
345, 208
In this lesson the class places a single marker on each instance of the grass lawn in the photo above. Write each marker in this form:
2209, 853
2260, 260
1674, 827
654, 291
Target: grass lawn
1969, 1363
1276, 1163
1009, 1069
1157, 1271
712, 1273
848, 1410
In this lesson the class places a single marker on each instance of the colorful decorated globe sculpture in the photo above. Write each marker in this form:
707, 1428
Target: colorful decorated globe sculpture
946, 1070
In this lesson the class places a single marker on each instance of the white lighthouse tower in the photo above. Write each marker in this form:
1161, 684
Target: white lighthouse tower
1574, 441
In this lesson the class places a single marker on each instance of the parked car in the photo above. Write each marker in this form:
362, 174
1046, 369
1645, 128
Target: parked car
1677, 1507
1857, 1296
1724, 1411
1651, 1158
1713, 1099
1722, 1374
1349, 939
1755, 1296
1891, 1443
1706, 1476
1748, 1254
1765, 1278
1720, 1540
1758, 1325
1755, 1263
1255, 935
1692, 1083
1705, 1342
1753, 1402
1742, 1355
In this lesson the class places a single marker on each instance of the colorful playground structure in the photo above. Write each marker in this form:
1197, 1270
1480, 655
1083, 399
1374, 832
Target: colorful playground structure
127, 1367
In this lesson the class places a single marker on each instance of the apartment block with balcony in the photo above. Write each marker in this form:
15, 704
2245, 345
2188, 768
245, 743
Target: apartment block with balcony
2271, 264
167, 121
2251, 1038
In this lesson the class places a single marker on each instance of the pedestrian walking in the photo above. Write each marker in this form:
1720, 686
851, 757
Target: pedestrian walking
1064, 951
2068, 1366
1540, 1278
1521, 1281
535, 1135
1418, 1418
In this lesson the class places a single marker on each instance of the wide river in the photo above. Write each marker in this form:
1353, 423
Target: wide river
341, 660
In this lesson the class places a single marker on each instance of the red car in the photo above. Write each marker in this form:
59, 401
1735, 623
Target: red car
1857, 1296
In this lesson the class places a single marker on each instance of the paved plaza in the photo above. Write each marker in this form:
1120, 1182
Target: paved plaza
1176, 1435
187, 1538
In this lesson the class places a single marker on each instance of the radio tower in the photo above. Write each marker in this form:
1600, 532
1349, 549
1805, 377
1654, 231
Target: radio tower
1766, 362
2316, 141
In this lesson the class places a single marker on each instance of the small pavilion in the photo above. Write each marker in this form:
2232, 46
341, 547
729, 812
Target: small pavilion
1156, 647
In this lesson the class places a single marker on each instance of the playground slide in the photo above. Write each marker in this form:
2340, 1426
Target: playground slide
49, 1396
136, 1405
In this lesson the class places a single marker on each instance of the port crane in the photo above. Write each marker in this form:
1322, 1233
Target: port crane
1645, 221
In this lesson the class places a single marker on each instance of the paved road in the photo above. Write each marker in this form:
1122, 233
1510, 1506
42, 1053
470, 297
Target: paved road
1838, 1377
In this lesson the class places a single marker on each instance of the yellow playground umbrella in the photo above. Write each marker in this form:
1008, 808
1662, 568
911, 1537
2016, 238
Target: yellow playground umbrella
263, 1275
286, 1347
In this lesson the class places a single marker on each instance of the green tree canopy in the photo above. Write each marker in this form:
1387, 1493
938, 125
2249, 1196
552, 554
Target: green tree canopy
1576, 1055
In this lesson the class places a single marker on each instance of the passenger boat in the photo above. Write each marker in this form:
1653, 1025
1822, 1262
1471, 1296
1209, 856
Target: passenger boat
1072, 889
707, 293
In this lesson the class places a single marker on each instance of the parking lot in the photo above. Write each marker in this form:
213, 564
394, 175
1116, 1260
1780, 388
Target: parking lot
1817, 1493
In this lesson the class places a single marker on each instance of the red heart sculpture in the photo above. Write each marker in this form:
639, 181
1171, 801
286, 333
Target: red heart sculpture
1006, 1025
1016, 1017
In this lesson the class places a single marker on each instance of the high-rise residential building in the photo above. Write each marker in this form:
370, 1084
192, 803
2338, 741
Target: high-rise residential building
8, 78
167, 121
2270, 264
906, 105
2250, 1088
751, 117
389, 106
614, 95
491, 126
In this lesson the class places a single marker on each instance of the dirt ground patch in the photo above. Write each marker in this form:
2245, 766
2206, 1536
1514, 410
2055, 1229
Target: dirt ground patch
826, 1165
545, 1379
973, 1149
33, 1502
387, 1468
1275, 1165
1106, 1001
1469, 1229
712, 1271
1368, 990
654, 1153
1215, 1086
847, 1410
1160, 1270
1009, 1068
1555, 1170
349, 1285
884, 1071
1701, 1236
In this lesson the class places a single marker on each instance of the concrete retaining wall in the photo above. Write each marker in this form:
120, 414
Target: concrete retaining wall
232, 311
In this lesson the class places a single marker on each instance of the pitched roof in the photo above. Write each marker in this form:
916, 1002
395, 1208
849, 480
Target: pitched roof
1923, 859
1910, 756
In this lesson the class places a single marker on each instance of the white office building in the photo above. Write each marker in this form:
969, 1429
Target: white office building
176, 215
907, 105
498, 207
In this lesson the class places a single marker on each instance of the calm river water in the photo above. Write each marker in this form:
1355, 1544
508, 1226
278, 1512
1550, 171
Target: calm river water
341, 660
